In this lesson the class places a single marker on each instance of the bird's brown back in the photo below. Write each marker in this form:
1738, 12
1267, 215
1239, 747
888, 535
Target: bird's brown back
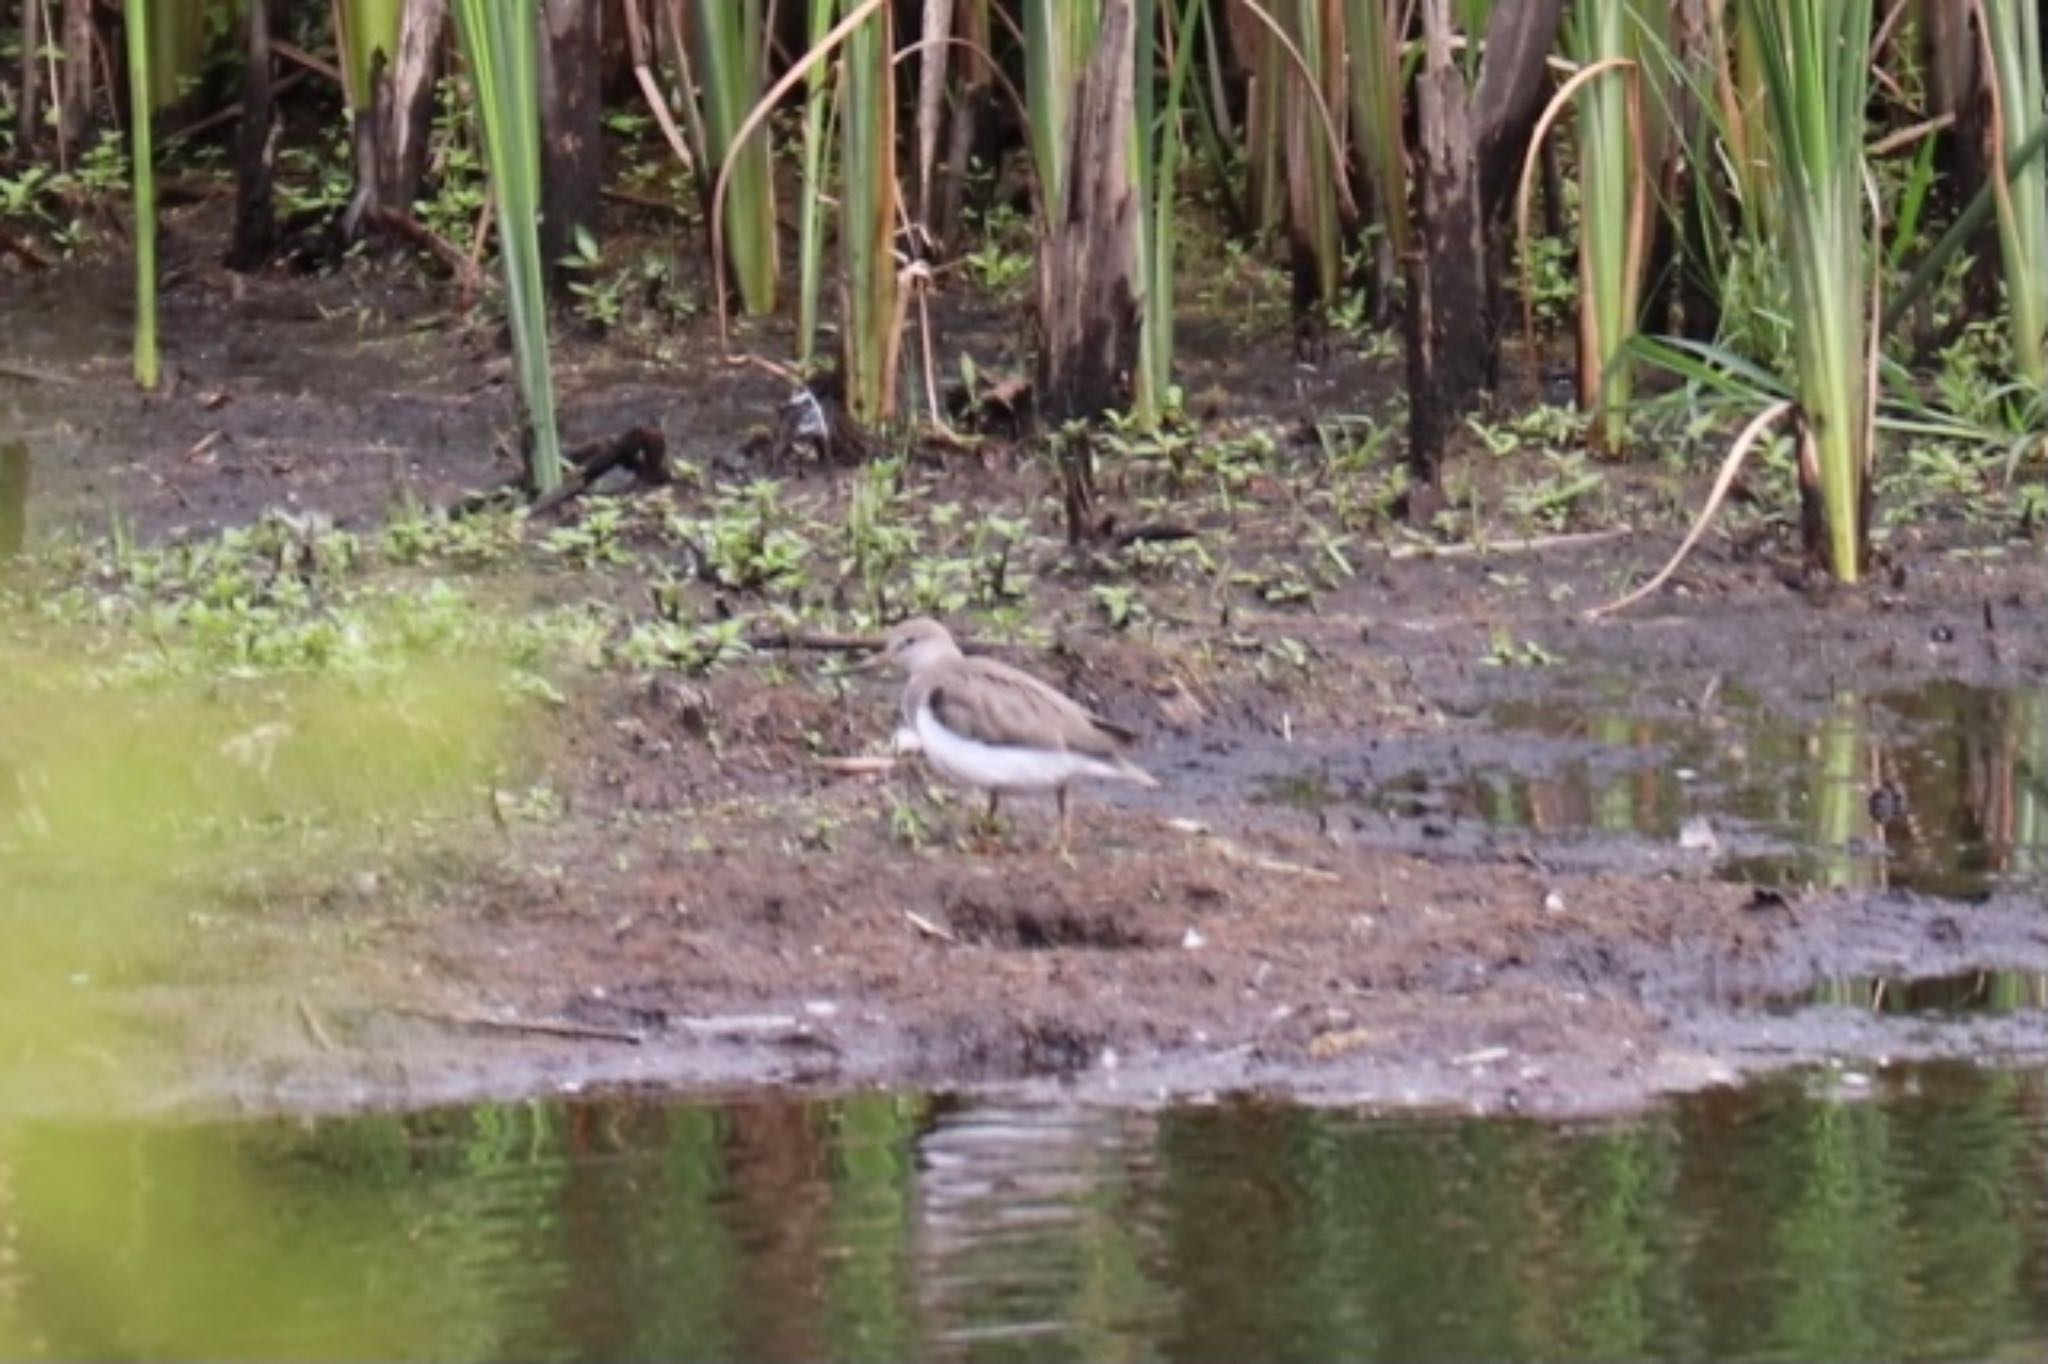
987, 700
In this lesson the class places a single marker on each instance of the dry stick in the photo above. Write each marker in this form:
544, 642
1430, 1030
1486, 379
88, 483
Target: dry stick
543, 1027
1530, 545
643, 74
1238, 856
1890, 22
1723, 481
928, 928
859, 765
815, 642
22, 250
313, 1026
229, 114
13, 369
482, 234
466, 271
643, 449
1907, 137
298, 56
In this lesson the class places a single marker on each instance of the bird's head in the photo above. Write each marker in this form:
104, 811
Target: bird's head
917, 644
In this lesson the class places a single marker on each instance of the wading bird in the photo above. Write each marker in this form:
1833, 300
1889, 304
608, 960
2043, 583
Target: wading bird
997, 728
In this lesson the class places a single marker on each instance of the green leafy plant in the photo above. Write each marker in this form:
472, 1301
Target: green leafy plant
499, 39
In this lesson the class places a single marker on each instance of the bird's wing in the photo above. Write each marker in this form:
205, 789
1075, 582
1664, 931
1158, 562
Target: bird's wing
983, 699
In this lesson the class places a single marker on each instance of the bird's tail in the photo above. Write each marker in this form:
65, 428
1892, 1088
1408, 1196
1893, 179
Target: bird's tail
1135, 774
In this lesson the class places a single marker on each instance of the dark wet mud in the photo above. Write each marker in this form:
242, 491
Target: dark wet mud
1427, 836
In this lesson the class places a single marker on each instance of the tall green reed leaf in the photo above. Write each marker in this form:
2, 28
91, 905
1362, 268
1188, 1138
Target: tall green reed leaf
500, 39
1613, 211
730, 62
143, 155
1158, 171
2012, 41
362, 29
1058, 35
1815, 60
177, 47
871, 334
1373, 46
817, 154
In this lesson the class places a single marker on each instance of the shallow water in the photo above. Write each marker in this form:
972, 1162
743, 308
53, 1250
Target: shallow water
1820, 1217
1941, 790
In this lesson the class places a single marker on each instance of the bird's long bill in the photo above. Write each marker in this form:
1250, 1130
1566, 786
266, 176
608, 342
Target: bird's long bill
869, 664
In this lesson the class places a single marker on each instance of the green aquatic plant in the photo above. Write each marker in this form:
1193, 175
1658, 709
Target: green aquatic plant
499, 38
141, 103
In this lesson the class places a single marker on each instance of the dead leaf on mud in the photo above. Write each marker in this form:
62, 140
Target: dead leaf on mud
1178, 705
1241, 857
928, 928
861, 765
1330, 1045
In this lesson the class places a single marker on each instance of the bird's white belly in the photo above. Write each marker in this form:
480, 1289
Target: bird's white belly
1001, 767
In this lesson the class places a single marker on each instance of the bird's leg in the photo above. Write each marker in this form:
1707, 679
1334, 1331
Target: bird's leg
1066, 825
988, 822
988, 825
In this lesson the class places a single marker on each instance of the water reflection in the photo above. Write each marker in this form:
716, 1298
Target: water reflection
1942, 790
1965, 993
1773, 1222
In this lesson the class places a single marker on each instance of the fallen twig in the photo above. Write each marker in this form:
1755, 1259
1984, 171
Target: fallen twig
864, 765
1531, 545
298, 56
643, 449
544, 1027
814, 642
23, 250
231, 112
928, 928
33, 375
1152, 533
1723, 481
313, 1026
739, 1025
466, 271
1243, 857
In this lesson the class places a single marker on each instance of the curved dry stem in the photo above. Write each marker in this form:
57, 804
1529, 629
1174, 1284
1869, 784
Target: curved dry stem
1889, 25
650, 88
1551, 113
2001, 177
754, 119
1910, 136
1009, 88
1639, 211
1723, 481
1874, 353
1314, 85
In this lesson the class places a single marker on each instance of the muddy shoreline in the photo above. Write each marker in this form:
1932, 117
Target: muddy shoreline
1428, 837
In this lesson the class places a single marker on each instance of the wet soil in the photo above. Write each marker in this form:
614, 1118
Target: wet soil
1322, 900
